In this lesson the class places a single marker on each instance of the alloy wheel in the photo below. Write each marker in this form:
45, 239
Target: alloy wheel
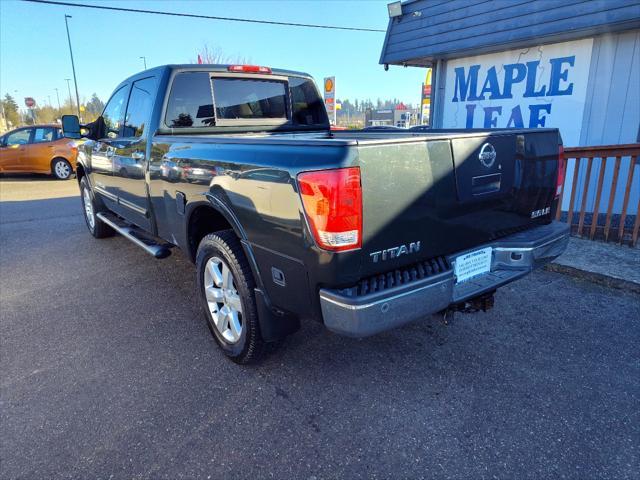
62, 169
223, 300
88, 208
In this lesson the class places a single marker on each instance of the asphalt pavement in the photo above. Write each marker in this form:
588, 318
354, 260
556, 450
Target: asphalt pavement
109, 371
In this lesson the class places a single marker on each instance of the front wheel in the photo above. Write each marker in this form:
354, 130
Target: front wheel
90, 207
61, 169
226, 290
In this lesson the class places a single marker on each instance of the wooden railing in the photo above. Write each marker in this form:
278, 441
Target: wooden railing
588, 223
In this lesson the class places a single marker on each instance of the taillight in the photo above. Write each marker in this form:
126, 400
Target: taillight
332, 201
562, 168
248, 69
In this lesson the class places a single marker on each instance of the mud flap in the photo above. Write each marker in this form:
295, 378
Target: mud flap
274, 324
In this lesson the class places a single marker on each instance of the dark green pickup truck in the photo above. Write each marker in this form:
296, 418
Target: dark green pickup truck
287, 220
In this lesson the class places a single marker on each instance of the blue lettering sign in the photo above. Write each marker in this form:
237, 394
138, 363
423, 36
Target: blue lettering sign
489, 119
491, 85
558, 74
534, 119
466, 86
515, 121
495, 88
470, 109
513, 73
530, 90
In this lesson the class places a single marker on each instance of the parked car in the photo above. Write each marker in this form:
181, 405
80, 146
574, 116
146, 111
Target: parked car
38, 149
361, 230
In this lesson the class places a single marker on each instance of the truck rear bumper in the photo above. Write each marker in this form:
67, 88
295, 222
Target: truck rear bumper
351, 314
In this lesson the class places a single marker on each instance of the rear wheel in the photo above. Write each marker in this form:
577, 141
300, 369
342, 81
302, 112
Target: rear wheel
226, 289
61, 169
90, 207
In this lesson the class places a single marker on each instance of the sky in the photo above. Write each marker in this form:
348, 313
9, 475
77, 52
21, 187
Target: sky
107, 46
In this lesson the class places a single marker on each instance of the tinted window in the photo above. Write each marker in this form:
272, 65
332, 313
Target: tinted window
139, 108
21, 137
113, 114
308, 107
46, 134
190, 102
239, 98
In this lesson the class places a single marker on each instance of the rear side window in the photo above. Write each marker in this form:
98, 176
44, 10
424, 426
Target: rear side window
139, 108
243, 99
190, 101
308, 107
44, 134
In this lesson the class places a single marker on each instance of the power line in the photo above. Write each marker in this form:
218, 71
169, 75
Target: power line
207, 17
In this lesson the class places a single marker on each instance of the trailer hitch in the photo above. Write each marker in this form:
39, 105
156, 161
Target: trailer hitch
482, 303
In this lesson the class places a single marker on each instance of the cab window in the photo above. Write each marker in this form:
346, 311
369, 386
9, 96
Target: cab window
308, 108
44, 134
113, 113
139, 108
190, 101
245, 98
21, 137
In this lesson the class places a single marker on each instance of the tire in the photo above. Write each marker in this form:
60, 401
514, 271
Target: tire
61, 169
226, 292
90, 207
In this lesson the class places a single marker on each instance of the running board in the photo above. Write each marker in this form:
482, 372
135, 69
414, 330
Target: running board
136, 235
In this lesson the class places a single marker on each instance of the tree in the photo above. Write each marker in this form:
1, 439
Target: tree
11, 112
94, 107
215, 55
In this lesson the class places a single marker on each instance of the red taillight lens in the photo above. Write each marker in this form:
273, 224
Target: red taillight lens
248, 69
562, 168
332, 201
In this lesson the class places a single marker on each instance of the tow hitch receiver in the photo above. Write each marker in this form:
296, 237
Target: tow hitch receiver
482, 302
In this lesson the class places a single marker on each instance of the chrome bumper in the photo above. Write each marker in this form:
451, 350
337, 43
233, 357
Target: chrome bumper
512, 257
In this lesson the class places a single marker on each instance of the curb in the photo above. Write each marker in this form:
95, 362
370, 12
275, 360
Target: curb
594, 277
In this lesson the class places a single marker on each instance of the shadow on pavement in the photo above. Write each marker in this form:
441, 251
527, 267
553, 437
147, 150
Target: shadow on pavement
29, 210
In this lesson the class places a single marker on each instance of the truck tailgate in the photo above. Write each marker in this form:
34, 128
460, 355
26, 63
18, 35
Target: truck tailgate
453, 193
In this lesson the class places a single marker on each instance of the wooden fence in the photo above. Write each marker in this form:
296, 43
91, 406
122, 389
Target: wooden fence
594, 228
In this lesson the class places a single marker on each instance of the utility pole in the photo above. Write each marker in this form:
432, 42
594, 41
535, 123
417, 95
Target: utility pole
58, 96
144, 59
73, 67
69, 88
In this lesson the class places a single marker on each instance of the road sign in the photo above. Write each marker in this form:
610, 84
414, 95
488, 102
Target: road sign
29, 102
330, 97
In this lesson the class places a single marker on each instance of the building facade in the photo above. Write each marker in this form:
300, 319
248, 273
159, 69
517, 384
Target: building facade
569, 64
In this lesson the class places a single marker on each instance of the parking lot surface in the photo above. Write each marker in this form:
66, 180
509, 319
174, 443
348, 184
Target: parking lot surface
109, 371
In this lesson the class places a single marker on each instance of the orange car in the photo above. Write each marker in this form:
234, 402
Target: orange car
38, 149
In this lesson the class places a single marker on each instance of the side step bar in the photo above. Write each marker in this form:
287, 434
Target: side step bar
136, 235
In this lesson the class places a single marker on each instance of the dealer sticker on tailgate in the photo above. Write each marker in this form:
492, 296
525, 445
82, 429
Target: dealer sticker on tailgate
472, 264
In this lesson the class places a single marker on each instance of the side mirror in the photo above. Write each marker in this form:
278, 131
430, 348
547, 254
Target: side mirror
71, 126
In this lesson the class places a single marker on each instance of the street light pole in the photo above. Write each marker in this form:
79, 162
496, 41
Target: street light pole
58, 96
69, 88
73, 67
144, 59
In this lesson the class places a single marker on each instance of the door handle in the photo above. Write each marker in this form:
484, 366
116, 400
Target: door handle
137, 155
